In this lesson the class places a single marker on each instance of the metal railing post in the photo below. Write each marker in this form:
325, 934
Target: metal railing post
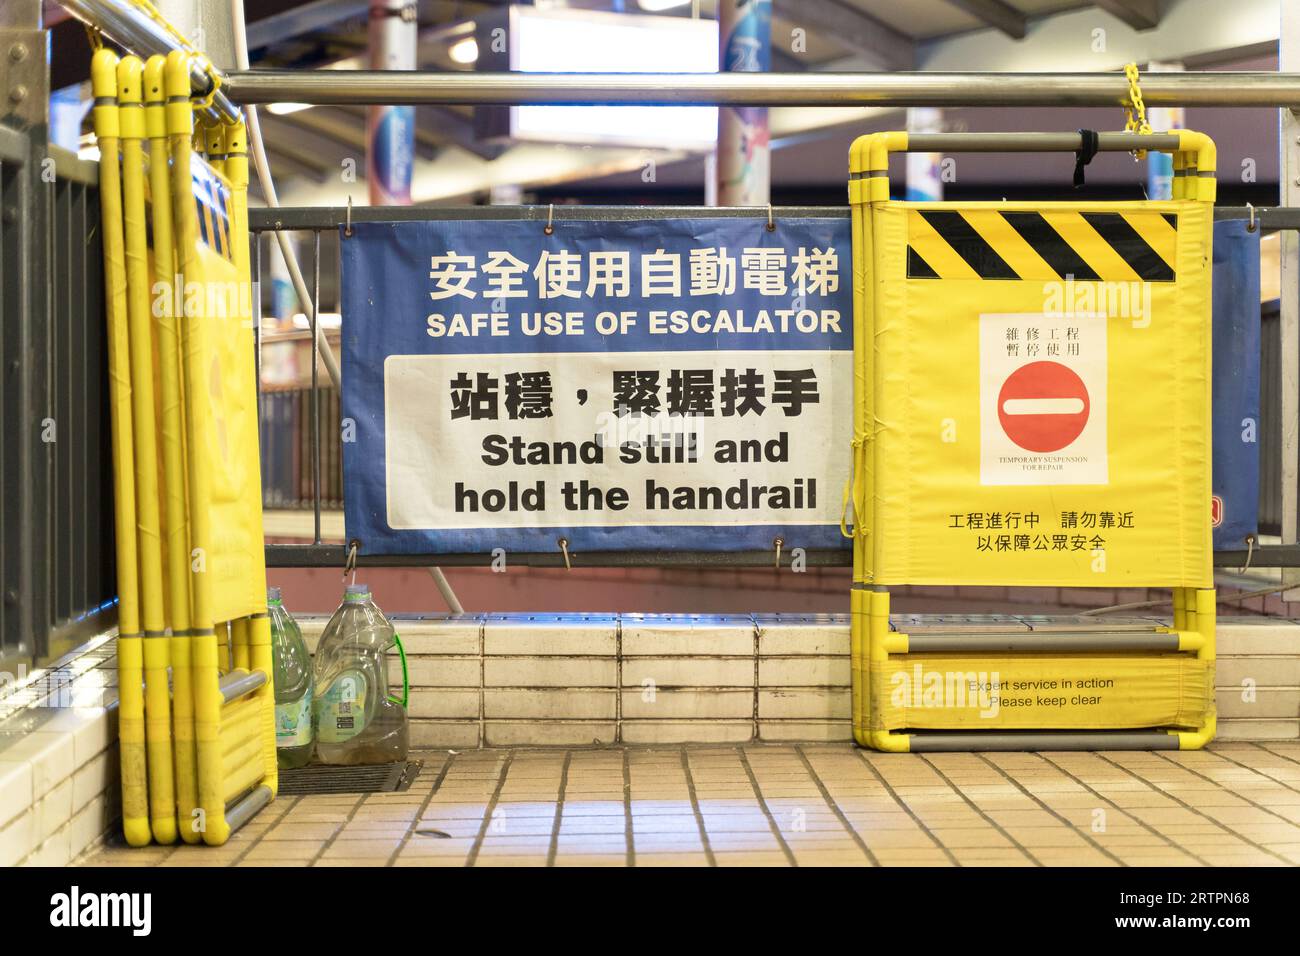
1289, 334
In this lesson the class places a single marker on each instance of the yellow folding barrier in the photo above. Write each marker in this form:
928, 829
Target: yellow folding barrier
197, 729
1032, 408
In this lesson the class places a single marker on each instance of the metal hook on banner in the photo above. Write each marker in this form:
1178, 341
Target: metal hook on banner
347, 222
771, 223
1250, 553
1250, 226
550, 220
564, 549
778, 543
350, 565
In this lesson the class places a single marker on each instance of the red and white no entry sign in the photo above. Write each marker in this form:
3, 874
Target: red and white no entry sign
1043, 406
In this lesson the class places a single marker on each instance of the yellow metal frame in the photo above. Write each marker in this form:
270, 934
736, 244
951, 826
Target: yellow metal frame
251, 636
176, 508
872, 642
197, 728
144, 412
130, 640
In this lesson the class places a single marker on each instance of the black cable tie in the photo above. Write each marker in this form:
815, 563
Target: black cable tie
1083, 156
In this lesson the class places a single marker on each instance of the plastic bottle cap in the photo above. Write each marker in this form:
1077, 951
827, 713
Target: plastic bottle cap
272, 595
356, 592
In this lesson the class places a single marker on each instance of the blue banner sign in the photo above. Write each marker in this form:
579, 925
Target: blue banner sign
1235, 513
654, 384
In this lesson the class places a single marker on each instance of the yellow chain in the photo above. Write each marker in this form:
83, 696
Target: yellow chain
214, 79
154, 14
214, 84
1135, 111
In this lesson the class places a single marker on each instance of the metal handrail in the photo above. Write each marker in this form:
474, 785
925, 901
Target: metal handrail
759, 89
130, 29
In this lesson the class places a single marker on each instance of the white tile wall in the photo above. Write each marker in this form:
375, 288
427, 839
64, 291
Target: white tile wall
691, 678
550, 671
59, 781
1257, 678
568, 703
58, 787
689, 672
564, 635
547, 733
15, 789
672, 704
687, 635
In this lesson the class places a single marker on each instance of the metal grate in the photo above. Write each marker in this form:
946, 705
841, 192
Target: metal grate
56, 530
375, 778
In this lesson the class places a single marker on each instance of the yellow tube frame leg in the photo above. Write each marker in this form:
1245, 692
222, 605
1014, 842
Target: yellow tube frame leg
1205, 602
210, 813
130, 653
878, 654
157, 691
172, 429
258, 627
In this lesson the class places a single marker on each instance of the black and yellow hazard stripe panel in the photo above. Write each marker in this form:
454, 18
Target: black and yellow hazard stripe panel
1041, 245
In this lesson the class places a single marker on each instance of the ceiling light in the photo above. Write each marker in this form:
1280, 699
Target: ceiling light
464, 51
658, 6
284, 109
567, 41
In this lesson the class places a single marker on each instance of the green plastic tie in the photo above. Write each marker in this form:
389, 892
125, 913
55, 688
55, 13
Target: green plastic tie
406, 681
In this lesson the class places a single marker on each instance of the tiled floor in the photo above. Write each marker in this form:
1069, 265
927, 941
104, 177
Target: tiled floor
782, 805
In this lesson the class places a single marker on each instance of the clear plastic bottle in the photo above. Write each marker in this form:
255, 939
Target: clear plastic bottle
295, 726
356, 720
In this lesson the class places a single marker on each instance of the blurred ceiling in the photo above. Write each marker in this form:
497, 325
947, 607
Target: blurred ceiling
307, 148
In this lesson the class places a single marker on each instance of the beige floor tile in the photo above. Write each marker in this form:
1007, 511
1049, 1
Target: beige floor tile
993, 857
345, 862
301, 850
672, 859
748, 858
998, 809
293, 830
970, 837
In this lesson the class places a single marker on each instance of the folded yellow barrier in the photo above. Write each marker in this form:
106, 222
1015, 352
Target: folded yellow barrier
197, 740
